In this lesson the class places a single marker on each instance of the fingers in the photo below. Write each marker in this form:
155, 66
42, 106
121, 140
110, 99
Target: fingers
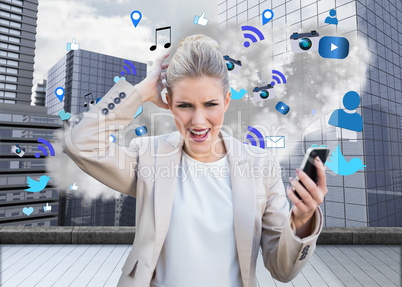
296, 201
161, 59
165, 66
303, 192
311, 186
322, 179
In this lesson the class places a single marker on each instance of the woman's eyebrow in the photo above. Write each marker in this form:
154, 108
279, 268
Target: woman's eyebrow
184, 102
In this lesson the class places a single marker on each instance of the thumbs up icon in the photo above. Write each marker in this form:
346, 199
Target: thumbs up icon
47, 207
73, 187
73, 45
200, 20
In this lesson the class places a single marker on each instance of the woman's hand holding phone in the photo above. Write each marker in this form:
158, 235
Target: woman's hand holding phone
151, 87
312, 196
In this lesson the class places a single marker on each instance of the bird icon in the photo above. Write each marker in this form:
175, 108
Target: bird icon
36, 186
339, 165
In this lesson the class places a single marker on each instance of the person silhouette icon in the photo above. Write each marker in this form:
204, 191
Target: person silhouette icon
331, 19
351, 121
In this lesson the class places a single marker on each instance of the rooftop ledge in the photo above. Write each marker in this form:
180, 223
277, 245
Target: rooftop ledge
125, 235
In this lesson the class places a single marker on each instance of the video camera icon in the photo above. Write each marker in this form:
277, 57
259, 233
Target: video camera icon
232, 64
264, 93
304, 42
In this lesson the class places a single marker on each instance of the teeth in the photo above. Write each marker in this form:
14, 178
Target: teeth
199, 133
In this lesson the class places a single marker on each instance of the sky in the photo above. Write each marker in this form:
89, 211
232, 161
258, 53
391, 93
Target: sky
105, 26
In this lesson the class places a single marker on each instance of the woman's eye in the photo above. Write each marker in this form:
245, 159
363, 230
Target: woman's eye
183, 106
211, 104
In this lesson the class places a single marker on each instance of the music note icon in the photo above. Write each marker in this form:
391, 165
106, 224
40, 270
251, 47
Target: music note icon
167, 45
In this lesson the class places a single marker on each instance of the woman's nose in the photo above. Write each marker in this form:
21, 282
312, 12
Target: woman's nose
198, 118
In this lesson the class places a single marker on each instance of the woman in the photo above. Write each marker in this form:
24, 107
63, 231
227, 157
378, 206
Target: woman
196, 227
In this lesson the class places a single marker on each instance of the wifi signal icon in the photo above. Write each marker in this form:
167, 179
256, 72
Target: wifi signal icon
48, 144
277, 79
127, 66
252, 139
251, 36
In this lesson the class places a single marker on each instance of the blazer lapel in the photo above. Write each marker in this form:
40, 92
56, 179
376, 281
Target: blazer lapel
243, 196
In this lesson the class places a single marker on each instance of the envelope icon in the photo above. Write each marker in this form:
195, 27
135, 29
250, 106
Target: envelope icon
275, 141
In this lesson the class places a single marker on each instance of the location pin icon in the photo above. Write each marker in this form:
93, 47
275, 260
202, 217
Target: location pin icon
267, 16
59, 93
136, 17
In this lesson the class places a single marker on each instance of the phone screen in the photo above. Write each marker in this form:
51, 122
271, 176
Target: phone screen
309, 167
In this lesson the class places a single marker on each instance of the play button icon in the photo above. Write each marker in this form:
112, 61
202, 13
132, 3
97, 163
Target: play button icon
333, 47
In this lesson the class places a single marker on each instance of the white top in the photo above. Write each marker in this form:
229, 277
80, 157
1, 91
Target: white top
200, 246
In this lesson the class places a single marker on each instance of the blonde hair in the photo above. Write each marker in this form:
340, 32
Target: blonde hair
197, 56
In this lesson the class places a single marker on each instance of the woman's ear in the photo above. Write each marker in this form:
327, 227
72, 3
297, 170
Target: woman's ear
227, 100
168, 100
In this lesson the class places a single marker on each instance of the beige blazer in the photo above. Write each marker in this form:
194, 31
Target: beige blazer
261, 210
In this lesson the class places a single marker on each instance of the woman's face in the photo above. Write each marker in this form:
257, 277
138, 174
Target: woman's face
198, 104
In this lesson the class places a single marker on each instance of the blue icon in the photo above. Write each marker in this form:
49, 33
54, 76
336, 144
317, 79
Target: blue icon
235, 95
140, 131
28, 211
339, 165
278, 80
251, 36
139, 111
59, 93
36, 186
282, 108
117, 78
350, 121
200, 20
252, 139
333, 47
98, 99
112, 138
73, 45
267, 16
48, 144
127, 68
136, 17
331, 19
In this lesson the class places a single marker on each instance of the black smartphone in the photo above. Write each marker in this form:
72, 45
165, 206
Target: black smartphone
308, 163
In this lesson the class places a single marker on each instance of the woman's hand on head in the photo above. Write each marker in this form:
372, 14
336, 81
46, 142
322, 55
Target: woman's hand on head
151, 87
313, 194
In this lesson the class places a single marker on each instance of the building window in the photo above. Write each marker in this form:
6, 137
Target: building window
10, 23
9, 54
11, 87
10, 39
18, 2
10, 15
10, 94
10, 31
9, 101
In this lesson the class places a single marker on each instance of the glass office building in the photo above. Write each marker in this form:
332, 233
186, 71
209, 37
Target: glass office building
22, 125
314, 89
86, 76
17, 50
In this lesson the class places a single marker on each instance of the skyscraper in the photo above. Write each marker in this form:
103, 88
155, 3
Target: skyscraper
86, 76
17, 50
22, 125
315, 88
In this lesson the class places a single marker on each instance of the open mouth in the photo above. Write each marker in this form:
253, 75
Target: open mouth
199, 135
